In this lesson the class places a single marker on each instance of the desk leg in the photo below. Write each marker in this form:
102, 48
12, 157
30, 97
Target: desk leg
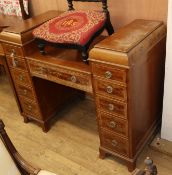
131, 166
26, 119
45, 127
102, 153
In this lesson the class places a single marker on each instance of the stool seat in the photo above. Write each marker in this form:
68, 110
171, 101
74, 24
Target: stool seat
72, 27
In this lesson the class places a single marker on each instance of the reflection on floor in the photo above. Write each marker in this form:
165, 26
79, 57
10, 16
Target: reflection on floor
71, 146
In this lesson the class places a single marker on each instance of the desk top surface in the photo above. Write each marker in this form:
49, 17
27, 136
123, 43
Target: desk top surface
68, 58
16, 25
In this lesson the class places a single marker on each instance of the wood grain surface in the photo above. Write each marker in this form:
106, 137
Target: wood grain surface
71, 146
122, 11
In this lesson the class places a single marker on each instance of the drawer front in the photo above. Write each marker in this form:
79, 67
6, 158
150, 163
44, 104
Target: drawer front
15, 62
112, 106
114, 143
114, 124
20, 77
109, 72
30, 108
12, 50
110, 89
63, 76
24, 91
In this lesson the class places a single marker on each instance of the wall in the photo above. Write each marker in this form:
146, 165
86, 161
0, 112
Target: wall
167, 108
122, 11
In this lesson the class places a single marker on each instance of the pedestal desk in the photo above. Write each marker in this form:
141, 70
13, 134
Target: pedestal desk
125, 75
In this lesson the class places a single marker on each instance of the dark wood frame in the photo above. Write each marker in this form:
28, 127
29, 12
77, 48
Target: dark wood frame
23, 166
84, 49
27, 169
24, 14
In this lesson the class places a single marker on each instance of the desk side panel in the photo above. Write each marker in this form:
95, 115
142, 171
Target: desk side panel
145, 94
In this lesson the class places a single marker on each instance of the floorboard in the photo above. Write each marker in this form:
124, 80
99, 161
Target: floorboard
71, 146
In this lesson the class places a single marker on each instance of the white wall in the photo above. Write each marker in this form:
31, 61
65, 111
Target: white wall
166, 132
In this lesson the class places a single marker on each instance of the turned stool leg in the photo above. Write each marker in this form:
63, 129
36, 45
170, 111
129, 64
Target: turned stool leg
85, 55
41, 47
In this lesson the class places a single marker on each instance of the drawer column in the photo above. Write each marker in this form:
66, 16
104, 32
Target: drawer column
23, 84
128, 71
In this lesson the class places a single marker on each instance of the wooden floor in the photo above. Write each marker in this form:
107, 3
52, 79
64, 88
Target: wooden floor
71, 146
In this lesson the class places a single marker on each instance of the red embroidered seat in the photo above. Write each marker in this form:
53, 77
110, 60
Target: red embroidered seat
74, 28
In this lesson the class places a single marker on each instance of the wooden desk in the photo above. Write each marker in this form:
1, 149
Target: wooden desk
125, 75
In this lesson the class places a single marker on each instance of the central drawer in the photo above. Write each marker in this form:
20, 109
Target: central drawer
75, 79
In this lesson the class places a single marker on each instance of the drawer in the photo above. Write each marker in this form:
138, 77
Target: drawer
110, 89
24, 91
20, 77
114, 124
112, 106
15, 62
109, 72
30, 108
114, 143
13, 50
77, 80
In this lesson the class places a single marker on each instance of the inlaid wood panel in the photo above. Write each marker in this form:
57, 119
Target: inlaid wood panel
30, 108
114, 142
114, 124
112, 107
122, 12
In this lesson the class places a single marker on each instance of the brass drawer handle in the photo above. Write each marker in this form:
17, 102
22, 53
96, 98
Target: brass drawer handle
73, 79
15, 62
21, 78
30, 108
13, 53
108, 74
109, 89
114, 143
112, 124
111, 107
25, 92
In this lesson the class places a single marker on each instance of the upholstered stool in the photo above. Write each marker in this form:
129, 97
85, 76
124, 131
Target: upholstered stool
74, 29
